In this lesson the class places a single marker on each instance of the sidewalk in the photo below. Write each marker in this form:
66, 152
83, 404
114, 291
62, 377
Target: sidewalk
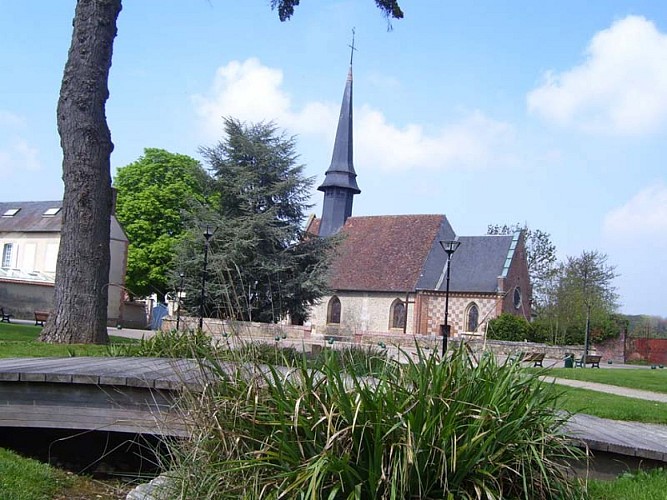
610, 389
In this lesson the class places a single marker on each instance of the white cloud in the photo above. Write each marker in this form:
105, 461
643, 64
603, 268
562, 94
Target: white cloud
644, 216
18, 155
251, 91
475, 141
11, 120
620, 88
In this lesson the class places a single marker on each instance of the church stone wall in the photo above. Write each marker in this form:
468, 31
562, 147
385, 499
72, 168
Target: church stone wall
360, 312
434, 308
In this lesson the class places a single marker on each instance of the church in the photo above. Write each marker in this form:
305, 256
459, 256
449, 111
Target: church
409, 274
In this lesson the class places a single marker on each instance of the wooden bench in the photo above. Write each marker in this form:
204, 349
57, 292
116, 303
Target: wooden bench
533, 357
4, 317
41, 317
591, 359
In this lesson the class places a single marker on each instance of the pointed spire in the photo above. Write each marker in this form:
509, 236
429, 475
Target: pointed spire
341, 171
340, 184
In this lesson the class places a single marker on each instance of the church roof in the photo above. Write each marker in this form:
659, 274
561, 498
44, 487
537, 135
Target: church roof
341, 172
386, 253
402, 253
475, 266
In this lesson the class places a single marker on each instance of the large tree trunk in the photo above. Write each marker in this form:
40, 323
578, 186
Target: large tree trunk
82, 272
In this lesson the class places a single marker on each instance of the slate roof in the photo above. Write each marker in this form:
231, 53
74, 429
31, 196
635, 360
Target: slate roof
385, 253
402, 253
341, 170
29, 218
475, 266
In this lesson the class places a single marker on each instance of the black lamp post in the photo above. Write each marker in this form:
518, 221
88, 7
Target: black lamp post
178, 301
207, 236
449, 247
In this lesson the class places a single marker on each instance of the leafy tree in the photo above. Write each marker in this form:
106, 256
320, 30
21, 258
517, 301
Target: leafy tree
587, 285
582, 301
262, 265
153, 194
541, 256
81, 294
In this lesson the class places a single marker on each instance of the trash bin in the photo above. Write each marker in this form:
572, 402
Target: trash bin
569, 361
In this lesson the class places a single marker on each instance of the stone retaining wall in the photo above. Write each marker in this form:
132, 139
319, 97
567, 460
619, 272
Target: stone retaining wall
611, 350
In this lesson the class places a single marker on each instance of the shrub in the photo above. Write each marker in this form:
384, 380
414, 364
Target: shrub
424, 429
509, 327
171, 344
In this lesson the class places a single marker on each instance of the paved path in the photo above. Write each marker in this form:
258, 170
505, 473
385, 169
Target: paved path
635, 439
611, 389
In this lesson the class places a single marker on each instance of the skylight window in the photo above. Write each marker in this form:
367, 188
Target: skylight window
51, 212
11, 212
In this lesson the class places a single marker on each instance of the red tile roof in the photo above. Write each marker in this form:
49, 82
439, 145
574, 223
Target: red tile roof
383, 253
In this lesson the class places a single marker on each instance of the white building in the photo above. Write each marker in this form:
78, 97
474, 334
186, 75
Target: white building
29, 240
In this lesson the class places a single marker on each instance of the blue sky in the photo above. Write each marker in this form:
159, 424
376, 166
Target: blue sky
490, 112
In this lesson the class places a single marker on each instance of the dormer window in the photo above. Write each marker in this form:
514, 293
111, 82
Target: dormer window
11, 212
51, 212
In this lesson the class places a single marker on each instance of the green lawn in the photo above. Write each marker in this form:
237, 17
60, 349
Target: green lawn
611, 406
650, 485
20, 341
633, 378
26, 479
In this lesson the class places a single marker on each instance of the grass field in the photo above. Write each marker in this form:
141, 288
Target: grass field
20, 341
633, 378
26, 479
611, 406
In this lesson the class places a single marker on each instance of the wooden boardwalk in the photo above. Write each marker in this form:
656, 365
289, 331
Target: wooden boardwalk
136, 395
139, 395
632, 439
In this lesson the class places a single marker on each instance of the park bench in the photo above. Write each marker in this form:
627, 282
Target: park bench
533, 357
41, 317
4, 317
591, 359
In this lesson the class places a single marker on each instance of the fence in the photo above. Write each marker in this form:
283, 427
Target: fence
650, 351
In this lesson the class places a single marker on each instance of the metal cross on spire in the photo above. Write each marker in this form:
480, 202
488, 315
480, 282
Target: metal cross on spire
352, 47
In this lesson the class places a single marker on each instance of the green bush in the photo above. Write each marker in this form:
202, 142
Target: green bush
171, 344
424, 429
509, 327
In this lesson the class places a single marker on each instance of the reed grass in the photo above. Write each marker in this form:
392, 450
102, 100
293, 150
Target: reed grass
426, 429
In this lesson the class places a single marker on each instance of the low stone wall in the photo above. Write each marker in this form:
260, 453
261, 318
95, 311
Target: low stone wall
268, 332
218, 327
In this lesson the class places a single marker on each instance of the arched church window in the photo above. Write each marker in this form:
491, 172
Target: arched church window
333, 312
397, 314
472, 318
517, 298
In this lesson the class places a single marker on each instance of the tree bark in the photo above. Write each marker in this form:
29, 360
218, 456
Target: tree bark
82, 271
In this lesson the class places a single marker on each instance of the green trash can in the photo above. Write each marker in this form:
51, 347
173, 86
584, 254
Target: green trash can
568, 362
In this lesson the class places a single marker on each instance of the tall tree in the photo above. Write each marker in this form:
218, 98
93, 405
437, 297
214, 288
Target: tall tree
81, 294
82, 269
588, 280
541, 256
154, 193
261, 265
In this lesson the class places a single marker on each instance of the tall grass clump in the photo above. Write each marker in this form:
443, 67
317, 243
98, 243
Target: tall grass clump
169, 344
425, 429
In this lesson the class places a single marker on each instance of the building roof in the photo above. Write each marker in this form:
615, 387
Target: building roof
386, 253
475, 266
30, 216
402, 253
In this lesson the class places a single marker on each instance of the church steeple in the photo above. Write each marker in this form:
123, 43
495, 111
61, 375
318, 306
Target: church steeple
340, 184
